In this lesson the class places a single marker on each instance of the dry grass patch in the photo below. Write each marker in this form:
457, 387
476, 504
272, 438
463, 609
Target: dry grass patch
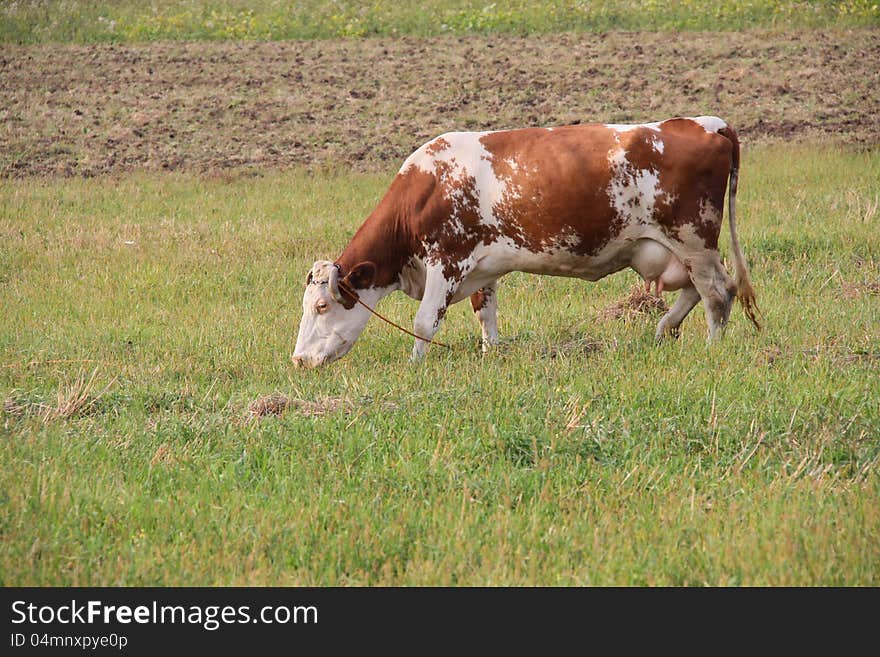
639, 302
163, 456
15, 407
274, 404
769, 355
579, 346
855, 290
277, 404
323, 406
73, 399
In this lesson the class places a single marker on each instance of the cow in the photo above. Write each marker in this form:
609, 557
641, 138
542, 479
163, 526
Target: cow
582, 201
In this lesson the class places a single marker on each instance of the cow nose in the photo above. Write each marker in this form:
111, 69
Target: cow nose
298, 361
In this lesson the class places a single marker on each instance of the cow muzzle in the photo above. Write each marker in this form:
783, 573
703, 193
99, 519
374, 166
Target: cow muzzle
302, 362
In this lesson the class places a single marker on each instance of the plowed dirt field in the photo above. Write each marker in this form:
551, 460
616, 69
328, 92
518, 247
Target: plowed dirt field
365, 104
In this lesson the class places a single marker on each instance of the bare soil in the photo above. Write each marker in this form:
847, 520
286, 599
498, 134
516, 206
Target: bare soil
366, 104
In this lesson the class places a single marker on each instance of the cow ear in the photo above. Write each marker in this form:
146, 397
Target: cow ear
309, 279
361, 276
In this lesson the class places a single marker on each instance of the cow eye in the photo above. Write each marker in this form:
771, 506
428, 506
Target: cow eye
321, 307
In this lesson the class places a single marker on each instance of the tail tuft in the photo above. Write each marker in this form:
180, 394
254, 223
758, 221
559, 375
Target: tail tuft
746, 295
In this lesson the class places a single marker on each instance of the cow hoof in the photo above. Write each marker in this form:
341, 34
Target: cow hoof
663, 335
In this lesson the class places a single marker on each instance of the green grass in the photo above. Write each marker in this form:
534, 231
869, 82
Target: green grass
129, 20
578, 453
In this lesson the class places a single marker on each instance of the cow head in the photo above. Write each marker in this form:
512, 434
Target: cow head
332, 319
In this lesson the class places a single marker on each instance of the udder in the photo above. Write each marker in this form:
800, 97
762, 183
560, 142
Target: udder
656, 264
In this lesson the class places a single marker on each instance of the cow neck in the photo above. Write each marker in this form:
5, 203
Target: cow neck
382, 240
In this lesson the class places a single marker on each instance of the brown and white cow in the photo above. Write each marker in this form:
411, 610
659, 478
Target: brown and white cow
583, 201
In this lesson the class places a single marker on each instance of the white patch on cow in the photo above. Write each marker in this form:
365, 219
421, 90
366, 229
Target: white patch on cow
626, 127
710, 123
657, 143
418, 159
464, 156
633, 192
708, 212
421, 159
457, 196
459, 151
688, 235
504, 255
490, 189
435, 261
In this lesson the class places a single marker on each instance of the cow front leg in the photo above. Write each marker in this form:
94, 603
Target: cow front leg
485, 305
438, 293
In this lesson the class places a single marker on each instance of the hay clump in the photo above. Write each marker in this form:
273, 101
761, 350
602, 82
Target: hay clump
639, 302
274, 404
322, 406
582, 346
277, 404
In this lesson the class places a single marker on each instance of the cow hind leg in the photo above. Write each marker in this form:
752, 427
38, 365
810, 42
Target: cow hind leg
670, 322
716, 288
485, 305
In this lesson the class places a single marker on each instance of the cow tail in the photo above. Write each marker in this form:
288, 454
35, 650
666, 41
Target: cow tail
744, 290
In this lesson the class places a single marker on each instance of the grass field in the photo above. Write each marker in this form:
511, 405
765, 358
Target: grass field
144, 313
90, 21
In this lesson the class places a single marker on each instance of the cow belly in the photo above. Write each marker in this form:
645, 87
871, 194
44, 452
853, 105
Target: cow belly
501, 258
506, 256
654, 262
649, 258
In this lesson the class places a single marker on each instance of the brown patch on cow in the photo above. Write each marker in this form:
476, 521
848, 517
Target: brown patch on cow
479, 300
391, 235
704, 220
638, 302
699, 163
437, 146
640, 149
562, 178
459, 228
